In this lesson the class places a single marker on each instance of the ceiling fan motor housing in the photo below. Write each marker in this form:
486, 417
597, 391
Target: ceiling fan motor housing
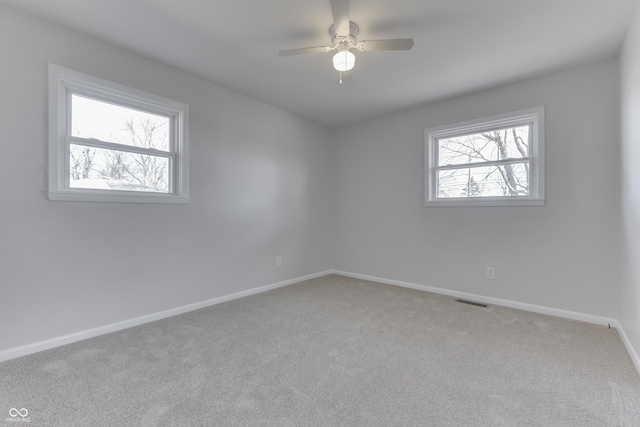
344, 42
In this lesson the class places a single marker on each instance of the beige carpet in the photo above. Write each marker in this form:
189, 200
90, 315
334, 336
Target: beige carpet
334, 351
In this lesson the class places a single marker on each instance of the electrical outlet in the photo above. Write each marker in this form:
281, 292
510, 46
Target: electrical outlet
279, 261
491, 273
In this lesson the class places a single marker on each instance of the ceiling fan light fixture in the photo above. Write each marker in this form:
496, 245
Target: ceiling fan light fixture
344, 60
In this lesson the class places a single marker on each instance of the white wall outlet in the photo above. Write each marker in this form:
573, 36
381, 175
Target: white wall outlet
279, 261
491, 273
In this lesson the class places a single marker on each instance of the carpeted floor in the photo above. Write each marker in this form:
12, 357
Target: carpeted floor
333, 351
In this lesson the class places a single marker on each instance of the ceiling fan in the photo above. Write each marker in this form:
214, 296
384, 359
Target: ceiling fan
343, 35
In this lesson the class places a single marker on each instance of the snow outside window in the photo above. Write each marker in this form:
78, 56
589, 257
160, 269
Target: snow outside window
110, 143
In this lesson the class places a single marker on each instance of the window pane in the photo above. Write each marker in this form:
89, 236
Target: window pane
101, 120
509, 143
103, 169
493, 181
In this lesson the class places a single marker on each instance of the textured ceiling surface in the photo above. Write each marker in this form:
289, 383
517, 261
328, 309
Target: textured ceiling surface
460, 46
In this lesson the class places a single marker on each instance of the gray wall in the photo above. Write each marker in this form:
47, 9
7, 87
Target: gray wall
629, 314
265, 183
260, 188
565, 255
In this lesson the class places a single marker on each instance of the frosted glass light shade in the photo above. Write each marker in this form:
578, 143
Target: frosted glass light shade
344, 61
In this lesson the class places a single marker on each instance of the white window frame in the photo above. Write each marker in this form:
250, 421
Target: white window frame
64, 82
533, 116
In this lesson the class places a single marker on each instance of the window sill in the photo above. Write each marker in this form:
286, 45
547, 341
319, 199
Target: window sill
117, 197
484, 202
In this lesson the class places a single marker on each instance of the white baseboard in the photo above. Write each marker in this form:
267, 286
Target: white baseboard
605, 321
113, 327
632, 352
12, 353
487, 300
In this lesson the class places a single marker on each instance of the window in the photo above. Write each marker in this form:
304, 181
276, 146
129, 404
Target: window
497, 161
110, 143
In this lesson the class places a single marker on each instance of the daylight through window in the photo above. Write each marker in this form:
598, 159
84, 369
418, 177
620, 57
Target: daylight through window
490, 162
111, 143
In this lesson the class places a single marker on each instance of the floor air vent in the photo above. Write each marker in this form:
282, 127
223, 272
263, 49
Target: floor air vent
477, 304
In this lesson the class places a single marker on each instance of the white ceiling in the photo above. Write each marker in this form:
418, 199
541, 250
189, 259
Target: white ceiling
460, 45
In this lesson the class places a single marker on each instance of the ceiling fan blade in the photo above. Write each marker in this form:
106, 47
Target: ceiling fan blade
301, 51
390, 44
340, 11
